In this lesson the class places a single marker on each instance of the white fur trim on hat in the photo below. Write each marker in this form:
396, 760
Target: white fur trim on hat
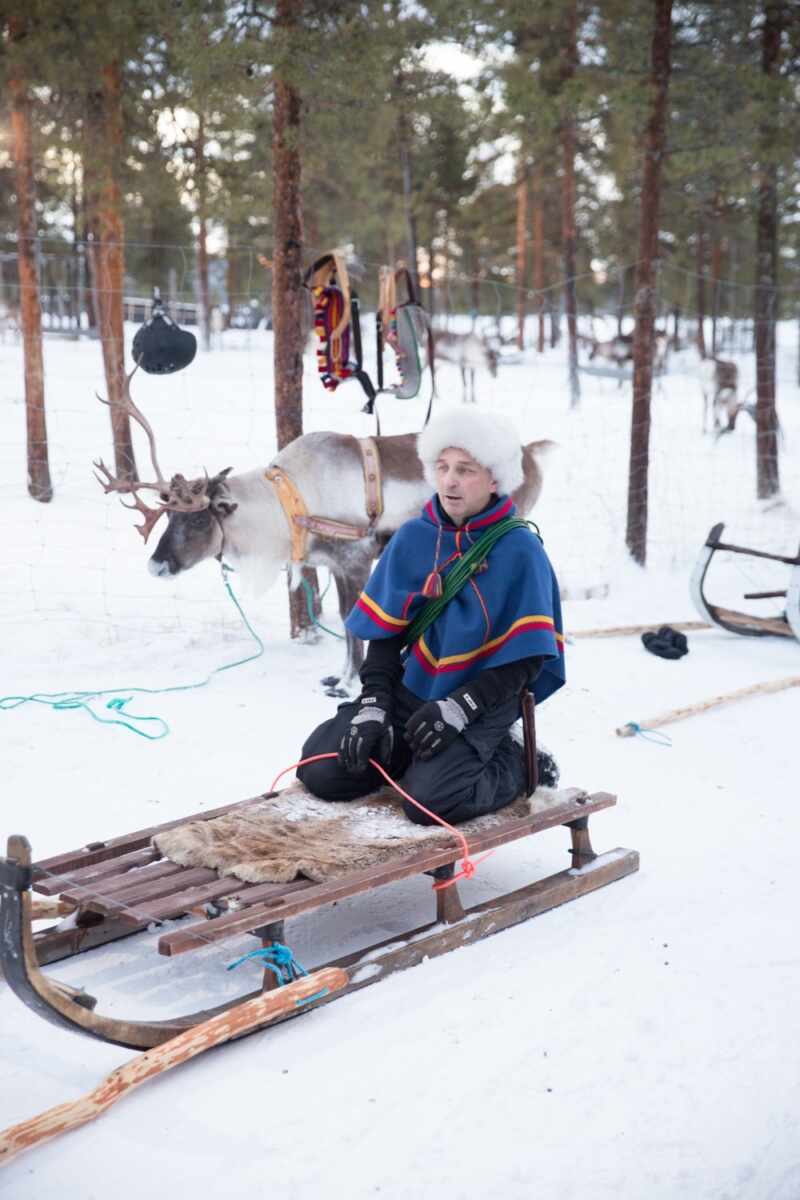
489, 438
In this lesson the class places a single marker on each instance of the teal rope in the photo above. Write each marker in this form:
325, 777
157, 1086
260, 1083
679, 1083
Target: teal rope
309, 591
61, 701
276, 958
650, 735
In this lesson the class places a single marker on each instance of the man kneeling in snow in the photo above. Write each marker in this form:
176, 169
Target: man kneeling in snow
438, 703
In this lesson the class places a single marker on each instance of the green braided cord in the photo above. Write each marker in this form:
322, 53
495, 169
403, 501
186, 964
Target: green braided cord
310, 609
462, 572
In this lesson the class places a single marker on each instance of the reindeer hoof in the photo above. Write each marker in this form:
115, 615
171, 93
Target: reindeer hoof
330, 680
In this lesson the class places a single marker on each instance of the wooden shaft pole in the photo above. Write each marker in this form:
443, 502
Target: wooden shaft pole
229, 1024
691, 710
626, 630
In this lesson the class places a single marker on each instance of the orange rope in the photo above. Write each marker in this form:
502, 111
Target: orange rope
468, 866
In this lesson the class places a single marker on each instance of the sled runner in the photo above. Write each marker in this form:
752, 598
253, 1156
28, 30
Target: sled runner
786, 624
118, 887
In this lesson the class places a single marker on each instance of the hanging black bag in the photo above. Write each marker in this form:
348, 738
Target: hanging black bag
160, 345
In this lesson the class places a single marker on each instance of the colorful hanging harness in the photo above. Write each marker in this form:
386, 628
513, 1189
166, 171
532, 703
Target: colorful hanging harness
337, 325
404, 326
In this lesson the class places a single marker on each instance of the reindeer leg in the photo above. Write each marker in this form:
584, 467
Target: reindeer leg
349, 584
464, 397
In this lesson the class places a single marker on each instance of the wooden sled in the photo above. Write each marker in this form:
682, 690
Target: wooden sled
119, 887
786, 624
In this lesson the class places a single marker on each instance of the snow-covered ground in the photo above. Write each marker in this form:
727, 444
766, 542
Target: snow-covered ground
637, 1042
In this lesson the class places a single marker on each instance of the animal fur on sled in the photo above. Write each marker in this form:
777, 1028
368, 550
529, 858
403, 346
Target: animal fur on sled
293, 834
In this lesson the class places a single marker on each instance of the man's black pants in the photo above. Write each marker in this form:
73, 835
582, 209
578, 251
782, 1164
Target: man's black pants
482, 771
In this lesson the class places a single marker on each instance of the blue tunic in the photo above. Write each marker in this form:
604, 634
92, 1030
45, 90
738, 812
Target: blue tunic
509, 610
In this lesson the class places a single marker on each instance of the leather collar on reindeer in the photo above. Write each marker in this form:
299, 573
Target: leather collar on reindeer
510, 611
301, 523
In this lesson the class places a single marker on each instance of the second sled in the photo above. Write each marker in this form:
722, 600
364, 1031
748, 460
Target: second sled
786, 624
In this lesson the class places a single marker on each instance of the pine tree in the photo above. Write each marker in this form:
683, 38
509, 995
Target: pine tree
644, 305
39, 483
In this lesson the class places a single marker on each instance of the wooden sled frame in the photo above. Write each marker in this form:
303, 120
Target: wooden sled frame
102, 882
748, 624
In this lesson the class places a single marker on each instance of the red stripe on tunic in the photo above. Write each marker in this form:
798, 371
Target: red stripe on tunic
373, 616
485, 651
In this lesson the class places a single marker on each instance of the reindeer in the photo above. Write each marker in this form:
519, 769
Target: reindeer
468, 351
661, 344
241, 520
618, 350
719, 381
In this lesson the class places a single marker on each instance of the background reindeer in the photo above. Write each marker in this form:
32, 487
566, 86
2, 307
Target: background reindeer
719, 382
239, 517
468, 351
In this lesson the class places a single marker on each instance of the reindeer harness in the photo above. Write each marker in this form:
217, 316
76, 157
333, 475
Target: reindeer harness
301, 523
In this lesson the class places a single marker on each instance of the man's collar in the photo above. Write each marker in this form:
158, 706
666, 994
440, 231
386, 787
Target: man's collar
497, 508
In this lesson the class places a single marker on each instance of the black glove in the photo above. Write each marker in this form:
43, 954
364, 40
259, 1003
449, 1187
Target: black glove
369, 735
434, 727
667, 643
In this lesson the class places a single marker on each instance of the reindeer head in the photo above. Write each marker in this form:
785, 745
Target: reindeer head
191, 537
200, 503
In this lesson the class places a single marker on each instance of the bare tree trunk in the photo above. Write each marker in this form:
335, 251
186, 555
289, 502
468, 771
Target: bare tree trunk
408, 196
201, 179
700, 269
522, 252
39, 483
716, 272
475, 287
569, 63
538, 252
431, 255
645, 300
231, 284
620, 300
104, 118
766, 289
287, 280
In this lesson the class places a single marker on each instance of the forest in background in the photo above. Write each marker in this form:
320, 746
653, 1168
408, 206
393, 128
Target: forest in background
394, 150
633, 159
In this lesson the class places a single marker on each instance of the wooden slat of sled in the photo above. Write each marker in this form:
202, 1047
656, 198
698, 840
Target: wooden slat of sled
135, 904
133, 880
178, 903
113, 884
104, 870
278, 909
97, 852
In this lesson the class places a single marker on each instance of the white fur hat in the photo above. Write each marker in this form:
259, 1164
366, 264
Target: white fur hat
489, 438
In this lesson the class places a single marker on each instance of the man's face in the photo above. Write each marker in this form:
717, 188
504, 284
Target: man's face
463, 486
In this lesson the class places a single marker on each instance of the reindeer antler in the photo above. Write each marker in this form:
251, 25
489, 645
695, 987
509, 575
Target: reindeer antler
177, 495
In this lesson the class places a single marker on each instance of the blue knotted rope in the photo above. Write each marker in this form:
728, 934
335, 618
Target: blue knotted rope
61, 701
650, 735
276, 958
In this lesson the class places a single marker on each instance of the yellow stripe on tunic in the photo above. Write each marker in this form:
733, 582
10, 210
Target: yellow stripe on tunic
370, 603
450, 659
